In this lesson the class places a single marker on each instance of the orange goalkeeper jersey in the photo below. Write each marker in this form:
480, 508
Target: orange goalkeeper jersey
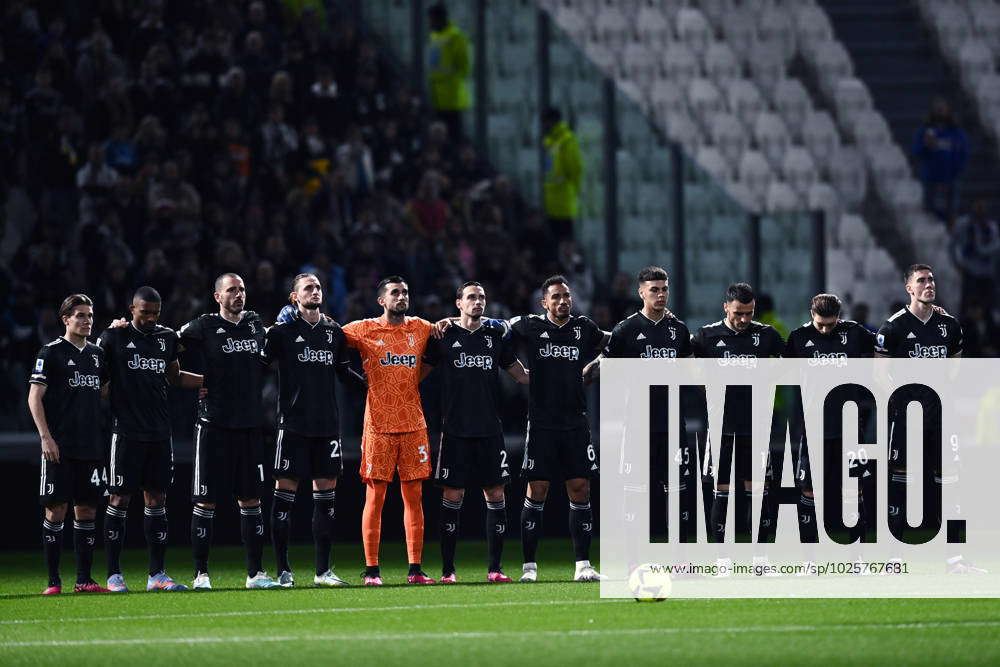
392, 357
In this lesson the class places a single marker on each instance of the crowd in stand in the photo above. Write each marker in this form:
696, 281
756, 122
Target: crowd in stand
164, 143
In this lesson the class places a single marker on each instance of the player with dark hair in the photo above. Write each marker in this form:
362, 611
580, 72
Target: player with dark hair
655, 333
827, 338
919, 331
472, 452
310, 351
395, 433
228, 448
141, 360
738, 339
64, 398
558, 345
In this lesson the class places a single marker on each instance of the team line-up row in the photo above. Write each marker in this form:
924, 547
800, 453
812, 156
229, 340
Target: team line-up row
225, 354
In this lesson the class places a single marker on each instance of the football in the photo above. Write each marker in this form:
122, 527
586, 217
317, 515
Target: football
649, 583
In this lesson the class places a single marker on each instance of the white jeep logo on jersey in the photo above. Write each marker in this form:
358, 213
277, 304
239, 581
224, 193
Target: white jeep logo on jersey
316, 356
240, 346
90, 381
390, 359
929, 351
483, 361
138, 363
658, 353
560, 351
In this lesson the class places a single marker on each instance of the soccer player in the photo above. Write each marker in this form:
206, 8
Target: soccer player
228, 447
655, 333
472, 451
918, 331
65, 401
738, 339
827, 337
557, 346
310, 352
394, 437
141, 359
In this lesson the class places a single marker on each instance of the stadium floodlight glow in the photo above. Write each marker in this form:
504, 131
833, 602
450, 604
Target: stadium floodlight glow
892, 459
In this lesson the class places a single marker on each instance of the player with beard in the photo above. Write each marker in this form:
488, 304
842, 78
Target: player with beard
470, 356
310, 351
918, 331
738, 339
826, 338
558, 345
229, 448
64, 399
394, 438
141, 357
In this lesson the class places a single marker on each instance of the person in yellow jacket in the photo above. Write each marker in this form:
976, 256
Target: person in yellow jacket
450, 63
563, 173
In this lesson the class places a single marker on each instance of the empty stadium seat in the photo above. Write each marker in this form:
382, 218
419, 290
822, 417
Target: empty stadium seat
652, 27
712, 161
832, 64
847, 174
729, 136
755, 173
799, 170
705, 99
812, 28
820, 136
721, 64
611, 28
976, 60
767, 65
781, 198
640, 64
771, 135
666, 98
871, 132
852, 97
680, 63
693, 29
743, 98
775, 26
792, 101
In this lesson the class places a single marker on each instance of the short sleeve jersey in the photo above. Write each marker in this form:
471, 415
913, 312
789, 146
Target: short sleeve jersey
308, 358
230, 356
556, 355
638, 337
848, 340
137, 368
718, 341
72, 378
392, 357
470, 363
904, 336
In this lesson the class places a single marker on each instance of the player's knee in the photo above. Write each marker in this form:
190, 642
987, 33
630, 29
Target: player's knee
207, 506
325, 484
154, 498
453, 495
538, 491
85, 512
578, 489
723, 487
119, 501
249, 502
287, 484
56, 513
493, 495
807, 493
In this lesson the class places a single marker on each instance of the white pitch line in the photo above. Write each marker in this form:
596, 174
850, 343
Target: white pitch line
331, 610
410, 636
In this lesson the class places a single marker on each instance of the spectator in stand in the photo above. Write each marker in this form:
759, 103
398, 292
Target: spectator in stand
428, 213
95, 180
354, 158
563, 173
942, 149
177, 206
861, 313
450, 63
975, 249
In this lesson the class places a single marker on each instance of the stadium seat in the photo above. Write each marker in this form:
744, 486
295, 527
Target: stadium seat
907, 197
888, 167
728, 136
631, 91
743, 196
792, 101
755, 173
705, 99
988, 96
712, 161
602, 56
652, 27
574, 23
781, 198
684, 131
813, 29
820, 136
693, 29
799, 170
666, 98
822, 197
854, 233
952, 25
775, 26
871, 132
641, 64
743, 98
739, 28
832, 64
721, 64
852, 97
611, 28
771, 135
680, 63
976, 60
767, 65
986, 23
847, 174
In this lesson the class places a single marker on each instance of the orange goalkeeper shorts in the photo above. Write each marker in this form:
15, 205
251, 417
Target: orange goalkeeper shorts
382, 454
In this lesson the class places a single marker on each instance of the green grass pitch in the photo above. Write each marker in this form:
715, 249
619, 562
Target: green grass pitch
554, 621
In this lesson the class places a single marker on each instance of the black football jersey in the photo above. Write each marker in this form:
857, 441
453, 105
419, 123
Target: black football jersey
470, 363
718, 341
72, 401
309, 356
137, 370
228, 355
848, 340
904, 336
556, 356
638, 337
